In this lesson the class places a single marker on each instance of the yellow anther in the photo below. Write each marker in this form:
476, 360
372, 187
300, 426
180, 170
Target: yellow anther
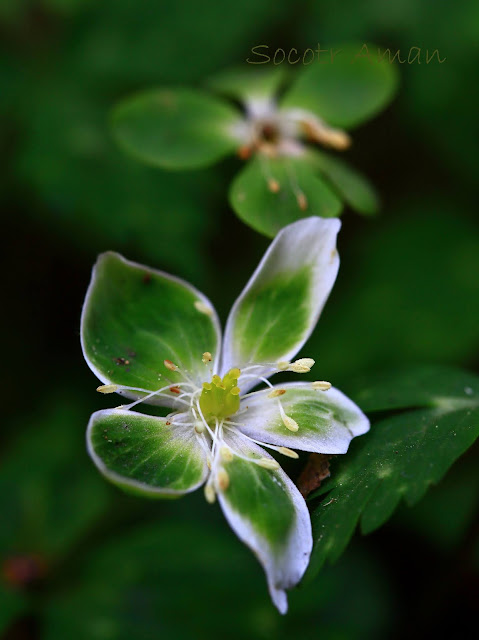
223, 479
203, 308
199, 427
288, 452
302, 201
322, 385
226, 454
170, 365
207, 357
276, 392
283, 365
210, 494
273, 185
303, 365
234, 373
235, 391
107, 388
268, 463
290, 424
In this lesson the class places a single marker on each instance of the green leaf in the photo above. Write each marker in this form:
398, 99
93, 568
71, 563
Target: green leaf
351, 186
147, 455
346, 91
176, 128
247, 83
268, 211
399, 459
280, 305
421, 386
134, 318
327, 420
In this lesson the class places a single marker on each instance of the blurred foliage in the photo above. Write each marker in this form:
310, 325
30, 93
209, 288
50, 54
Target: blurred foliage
407, 292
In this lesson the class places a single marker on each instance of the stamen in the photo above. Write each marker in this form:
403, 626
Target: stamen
283, 365
289, 423
322, 385
207, 357
302, 201
170, 365
210, 494
244, 152
289, 453
226, 454
276, 392
273, 185
298, 192
303, 365
223, 479
199, 427
283, 450
107, 388
268, 463
203, 308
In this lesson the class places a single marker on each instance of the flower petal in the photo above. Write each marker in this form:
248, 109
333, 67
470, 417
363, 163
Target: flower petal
134, 318
146, 455
267, 512
269, 211
347, 90
280, 305
327, 420
255, 87
176, 128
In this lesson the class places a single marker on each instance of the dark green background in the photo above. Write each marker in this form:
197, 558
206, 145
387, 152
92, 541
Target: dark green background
110, 566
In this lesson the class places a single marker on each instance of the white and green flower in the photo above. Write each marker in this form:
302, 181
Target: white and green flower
283, 127
155, 339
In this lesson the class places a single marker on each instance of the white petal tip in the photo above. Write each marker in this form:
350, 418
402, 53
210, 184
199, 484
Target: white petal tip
279, 599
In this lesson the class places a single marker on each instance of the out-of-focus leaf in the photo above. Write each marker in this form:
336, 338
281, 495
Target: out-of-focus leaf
142, 582
298, 192
51, 494
176, 128
399, 459
407, 291
346, 90
352, 187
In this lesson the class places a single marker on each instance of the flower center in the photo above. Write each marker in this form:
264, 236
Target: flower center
220, 397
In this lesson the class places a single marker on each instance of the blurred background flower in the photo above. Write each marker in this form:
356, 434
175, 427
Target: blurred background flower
79, 559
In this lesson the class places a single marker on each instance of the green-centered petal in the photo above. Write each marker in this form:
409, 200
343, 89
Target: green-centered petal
298, 191
135, 317
267, 512
151, 456
347, 91
176, 128
327, 420
248, 84
280, 305
351, 186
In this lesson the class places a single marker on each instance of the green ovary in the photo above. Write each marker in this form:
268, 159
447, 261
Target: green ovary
220, 398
